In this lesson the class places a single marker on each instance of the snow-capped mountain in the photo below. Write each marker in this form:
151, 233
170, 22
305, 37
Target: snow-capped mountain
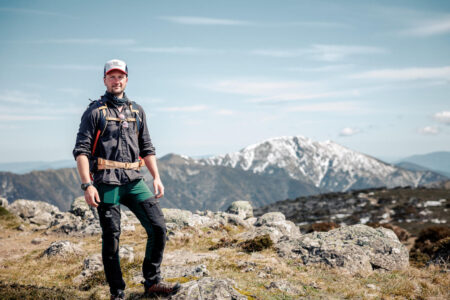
327, 165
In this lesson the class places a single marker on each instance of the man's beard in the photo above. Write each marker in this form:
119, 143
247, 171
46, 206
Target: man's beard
115, 93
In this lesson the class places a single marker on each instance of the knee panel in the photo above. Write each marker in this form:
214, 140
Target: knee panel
155, 215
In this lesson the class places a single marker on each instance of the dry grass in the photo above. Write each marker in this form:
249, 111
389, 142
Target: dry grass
23, 270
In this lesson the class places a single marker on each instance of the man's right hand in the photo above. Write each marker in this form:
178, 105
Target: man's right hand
91, 196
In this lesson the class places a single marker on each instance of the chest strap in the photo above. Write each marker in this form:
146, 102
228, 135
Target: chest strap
103, 164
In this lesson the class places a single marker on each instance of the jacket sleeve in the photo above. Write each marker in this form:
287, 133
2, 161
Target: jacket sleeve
145, 143
86, 133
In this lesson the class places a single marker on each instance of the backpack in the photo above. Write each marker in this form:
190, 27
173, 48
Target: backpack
104, 118
103, 123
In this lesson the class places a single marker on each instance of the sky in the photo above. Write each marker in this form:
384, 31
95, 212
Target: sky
217, 76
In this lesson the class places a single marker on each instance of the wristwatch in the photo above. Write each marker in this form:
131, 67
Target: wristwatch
84, 186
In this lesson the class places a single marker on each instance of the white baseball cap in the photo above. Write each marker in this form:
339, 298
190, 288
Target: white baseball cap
115, 64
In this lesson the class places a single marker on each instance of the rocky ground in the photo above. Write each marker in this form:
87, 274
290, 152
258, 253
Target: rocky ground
410, 208
48, 254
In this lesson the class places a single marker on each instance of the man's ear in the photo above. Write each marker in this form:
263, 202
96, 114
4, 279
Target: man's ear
104, 80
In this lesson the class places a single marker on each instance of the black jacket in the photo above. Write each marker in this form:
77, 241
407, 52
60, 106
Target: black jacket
117, 143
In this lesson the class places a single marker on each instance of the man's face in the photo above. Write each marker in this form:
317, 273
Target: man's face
115, 82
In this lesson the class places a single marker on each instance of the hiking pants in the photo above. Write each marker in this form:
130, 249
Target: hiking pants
138, 198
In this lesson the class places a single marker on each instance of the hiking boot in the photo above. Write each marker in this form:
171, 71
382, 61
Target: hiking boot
162, 289
119, 295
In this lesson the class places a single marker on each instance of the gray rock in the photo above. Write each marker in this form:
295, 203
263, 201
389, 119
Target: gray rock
283, 285
62, 248
184, 271
185, 218
37, 241
126, 253
356, 248
273, 224
270, 218
28, 209
4, 202
235, 220
67, 223
91, 264
91, 229
209, 288
80, 208
43, 218
243, 209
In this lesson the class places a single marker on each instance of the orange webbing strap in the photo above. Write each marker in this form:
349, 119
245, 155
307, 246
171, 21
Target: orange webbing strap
103, 164
117, 119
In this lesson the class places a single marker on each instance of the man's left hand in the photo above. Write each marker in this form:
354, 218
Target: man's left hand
158, 188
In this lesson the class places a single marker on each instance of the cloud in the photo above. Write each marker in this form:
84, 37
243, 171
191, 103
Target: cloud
348, 131
304, 96
9, 117
194, 108
443, 117
271, 91
343, 106
225, 112
320, 52
80, 41
72, 67
255, 87
34, 12
406, 74
189, 20
19, 97
429, 28
176, 50
429, 130
328, 68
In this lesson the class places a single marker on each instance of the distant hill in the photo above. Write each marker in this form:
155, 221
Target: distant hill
25, 167
436, 161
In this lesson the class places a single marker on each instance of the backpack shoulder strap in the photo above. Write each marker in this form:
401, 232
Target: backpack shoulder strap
134, 109
101, 123
103, 110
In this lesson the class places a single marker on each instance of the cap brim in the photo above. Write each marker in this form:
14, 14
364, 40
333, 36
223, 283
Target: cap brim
118, 69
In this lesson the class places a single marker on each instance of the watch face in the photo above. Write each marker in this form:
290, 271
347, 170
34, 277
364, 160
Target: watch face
84, 186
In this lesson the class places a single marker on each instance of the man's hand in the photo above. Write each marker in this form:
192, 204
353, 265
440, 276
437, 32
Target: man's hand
91, 196
158, 187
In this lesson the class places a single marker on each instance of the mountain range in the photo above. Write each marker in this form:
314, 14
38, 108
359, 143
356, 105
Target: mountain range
275, 169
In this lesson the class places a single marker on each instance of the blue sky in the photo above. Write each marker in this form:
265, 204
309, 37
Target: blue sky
216, 76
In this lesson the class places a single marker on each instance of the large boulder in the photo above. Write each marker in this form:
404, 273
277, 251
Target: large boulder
243, 209
356, 248
36, 212
275, 225
209, 288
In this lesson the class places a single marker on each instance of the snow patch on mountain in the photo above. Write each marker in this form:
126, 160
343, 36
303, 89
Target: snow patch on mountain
326, 164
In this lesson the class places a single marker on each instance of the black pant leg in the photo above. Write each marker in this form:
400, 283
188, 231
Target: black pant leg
110, 222
151, 217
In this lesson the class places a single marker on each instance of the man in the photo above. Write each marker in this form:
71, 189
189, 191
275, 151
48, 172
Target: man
112, 138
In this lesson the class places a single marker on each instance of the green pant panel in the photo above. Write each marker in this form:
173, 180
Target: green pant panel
115, 194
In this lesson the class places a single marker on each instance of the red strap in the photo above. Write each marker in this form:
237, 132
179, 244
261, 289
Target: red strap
93, 149
95, 142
